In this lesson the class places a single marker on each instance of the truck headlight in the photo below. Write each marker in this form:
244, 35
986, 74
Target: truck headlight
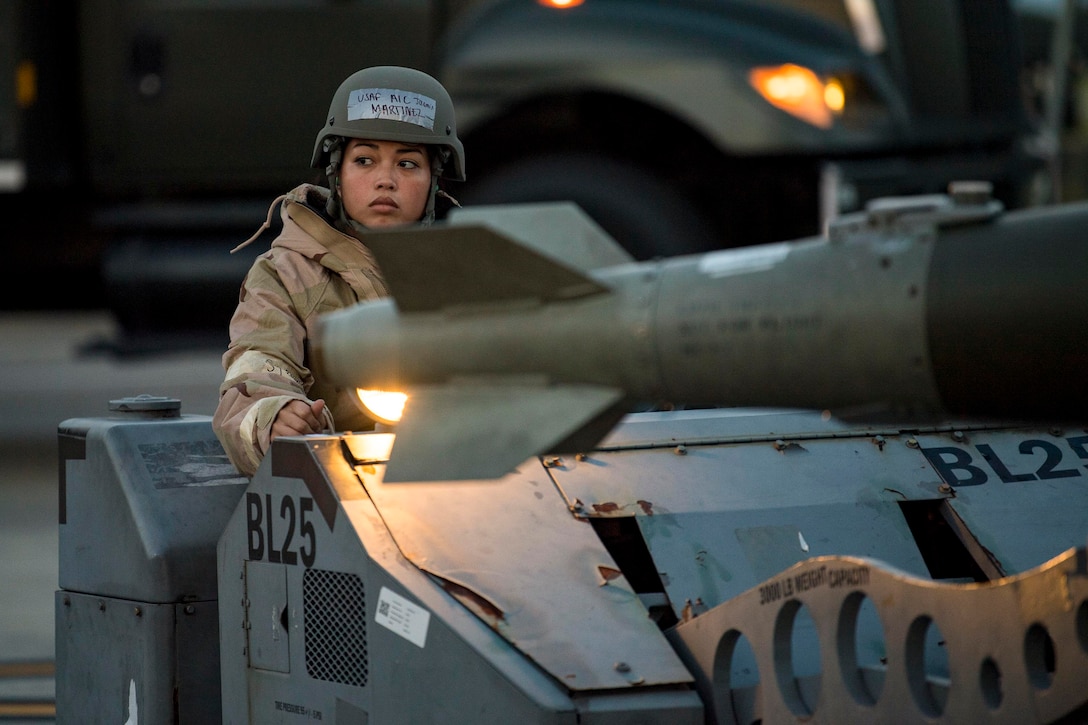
798, 91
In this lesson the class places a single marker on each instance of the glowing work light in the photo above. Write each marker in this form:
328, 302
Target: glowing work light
384, 407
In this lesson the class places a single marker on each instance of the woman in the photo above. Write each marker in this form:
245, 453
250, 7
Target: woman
390, 136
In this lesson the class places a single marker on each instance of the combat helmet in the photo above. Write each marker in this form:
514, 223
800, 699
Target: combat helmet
390, 103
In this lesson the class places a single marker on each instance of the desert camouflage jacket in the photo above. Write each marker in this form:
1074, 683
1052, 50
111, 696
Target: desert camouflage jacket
311, 269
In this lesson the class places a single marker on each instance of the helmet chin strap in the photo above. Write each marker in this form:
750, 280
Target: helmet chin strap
334, 146
439, 157
334, 207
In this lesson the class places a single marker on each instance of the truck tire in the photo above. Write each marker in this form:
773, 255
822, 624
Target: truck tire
647, 217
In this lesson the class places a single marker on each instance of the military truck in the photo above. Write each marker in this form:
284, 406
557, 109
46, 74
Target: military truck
908, 546
141, 140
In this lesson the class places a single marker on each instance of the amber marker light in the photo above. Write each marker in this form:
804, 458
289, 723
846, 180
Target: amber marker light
26, 84
834, 95
799, 91
560, 4
383, 406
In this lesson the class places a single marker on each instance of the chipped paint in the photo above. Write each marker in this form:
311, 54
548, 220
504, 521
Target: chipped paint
484, 608
608, 573
607, 508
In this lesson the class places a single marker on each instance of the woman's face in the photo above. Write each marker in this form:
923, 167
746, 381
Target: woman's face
384, 183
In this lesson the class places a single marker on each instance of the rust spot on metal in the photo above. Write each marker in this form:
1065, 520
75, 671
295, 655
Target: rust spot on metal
788, 447
647, 507
483, 607
609, 573
606, 508
688, 612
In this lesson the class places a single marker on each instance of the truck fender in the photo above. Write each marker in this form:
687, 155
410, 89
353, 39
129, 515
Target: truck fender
689, 61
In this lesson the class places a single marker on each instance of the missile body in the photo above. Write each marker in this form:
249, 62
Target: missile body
918, 308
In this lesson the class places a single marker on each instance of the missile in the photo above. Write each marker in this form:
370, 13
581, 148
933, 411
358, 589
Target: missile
525, 330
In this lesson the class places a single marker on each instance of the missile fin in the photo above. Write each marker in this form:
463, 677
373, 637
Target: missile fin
475, 430
433, 268
558, 229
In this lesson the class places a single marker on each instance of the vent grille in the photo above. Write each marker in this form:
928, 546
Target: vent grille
335, 626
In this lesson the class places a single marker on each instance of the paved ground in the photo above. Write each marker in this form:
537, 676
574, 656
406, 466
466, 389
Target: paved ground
55, 366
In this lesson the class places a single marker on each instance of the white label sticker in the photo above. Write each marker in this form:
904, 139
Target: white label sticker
133, 708
728, 262
402, 617
391, 104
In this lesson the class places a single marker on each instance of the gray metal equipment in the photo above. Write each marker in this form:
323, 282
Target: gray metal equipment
718, 565
698, 567
916, 309
909, 563
144, 495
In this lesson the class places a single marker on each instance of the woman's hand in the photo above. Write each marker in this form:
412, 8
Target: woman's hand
299, 418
